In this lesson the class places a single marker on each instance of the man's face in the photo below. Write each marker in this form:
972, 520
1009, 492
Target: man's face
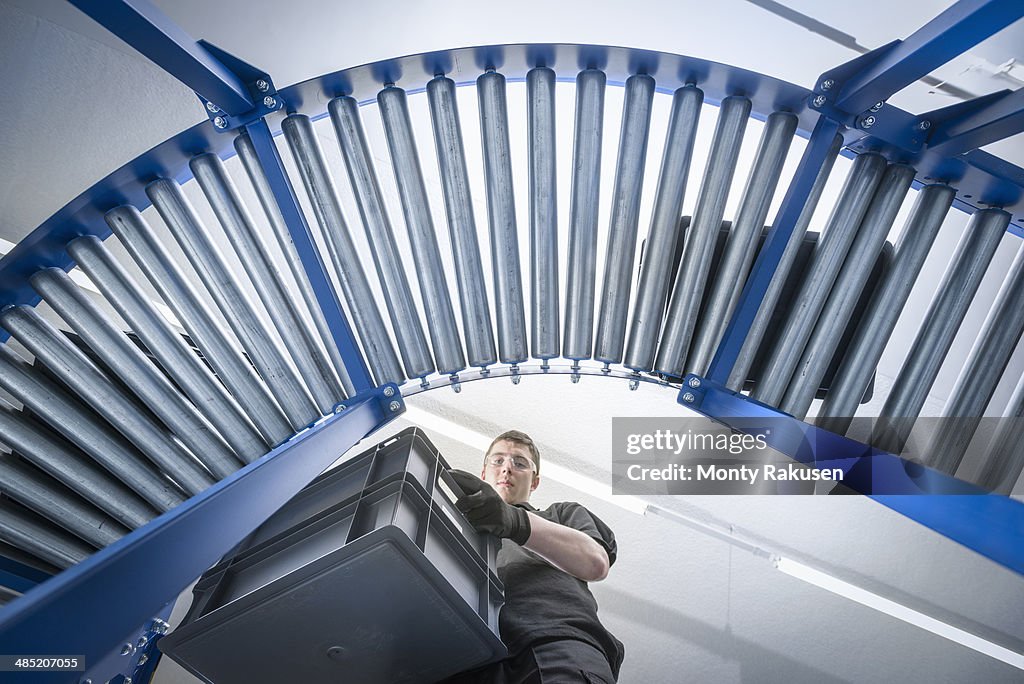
503, 470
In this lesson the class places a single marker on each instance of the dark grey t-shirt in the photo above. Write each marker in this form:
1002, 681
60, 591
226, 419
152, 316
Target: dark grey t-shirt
542, 603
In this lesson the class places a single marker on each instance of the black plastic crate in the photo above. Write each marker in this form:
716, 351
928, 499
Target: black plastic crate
379, 587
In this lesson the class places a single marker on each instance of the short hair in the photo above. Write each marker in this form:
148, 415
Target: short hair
519, 438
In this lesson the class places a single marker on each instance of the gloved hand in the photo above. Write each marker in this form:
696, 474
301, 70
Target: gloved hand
487, 512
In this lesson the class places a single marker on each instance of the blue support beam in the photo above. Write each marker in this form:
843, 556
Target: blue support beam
140, 24
811, 162
312, 262
951, 33
982, 121
19, 577
88, 608
989, 524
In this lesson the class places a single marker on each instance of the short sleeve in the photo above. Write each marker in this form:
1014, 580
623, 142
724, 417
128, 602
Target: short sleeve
579, 518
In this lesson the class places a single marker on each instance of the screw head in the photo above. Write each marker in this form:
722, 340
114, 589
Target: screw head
827, 84
143, 658
389, 391
818, 101
689, 398
340, 408
694, 382
924, 125
220, 122
268, 101
262, 86
394, 406
212, 108
878, 105
868, 122
127, 649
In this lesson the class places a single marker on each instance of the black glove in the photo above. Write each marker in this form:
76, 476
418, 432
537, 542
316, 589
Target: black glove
487, 512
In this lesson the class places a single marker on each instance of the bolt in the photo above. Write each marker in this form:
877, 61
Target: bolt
634, 385
389, 391
868, 122
127, 649
262, 86
340, 408
575, 377
143, 659
689, 398
924, 125
269, 102
827, 84
694, 383
878, 105
142, 642
818, 101
212, 108
87, 681
127, 680
395, 405
220, 122
160, 627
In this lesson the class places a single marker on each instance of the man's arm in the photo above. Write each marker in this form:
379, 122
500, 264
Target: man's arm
567, 549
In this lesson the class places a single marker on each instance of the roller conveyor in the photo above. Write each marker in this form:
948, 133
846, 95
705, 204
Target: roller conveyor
172, 420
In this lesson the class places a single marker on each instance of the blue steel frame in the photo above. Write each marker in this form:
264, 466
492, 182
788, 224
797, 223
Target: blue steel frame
178, 546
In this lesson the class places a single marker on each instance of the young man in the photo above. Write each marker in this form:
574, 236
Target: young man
549, 621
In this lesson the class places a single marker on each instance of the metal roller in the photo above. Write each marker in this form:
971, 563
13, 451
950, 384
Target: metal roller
1004, 459
854, 374
325, 342
405, 160
64, 463
299, 339
626, 193
31, 534
846, 291
691, 279
51, 500
178, 359
655, 270
469, 274
501, 219
74, 369
258, 341
405, 320
86, 430
755, 336
540, 106
366, 319
980, 375
945, 314
581, 279
136, 371
741, 247
826, 261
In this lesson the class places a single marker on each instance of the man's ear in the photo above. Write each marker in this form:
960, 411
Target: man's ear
536, 482
483, 473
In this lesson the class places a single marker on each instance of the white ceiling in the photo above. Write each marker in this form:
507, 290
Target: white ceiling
81, 103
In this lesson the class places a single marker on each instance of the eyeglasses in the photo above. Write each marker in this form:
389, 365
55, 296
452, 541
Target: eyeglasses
517, 462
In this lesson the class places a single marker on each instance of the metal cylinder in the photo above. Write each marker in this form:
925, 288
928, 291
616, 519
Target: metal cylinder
1004, 459
980, 375
861, 359
846, 292
405, 160
622, 229
945, 314
359, 298
469, 274
540, 106
325, 341
86, 430
405, 320
758, 328
30, 533
63, 462
581, 277
741, 247
218, 345
74, 369
691, 279
656, 263
51, 500
826, 260
501, 219
258, 341
299, 339
136, 371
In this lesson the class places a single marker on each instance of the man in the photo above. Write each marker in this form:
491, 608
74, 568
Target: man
549, 621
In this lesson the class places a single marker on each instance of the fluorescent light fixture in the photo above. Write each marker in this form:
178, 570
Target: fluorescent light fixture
558, 473
898, 611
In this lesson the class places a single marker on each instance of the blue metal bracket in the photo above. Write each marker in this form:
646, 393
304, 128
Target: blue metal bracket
257, 82
990, 524
97, 602
19, 577
976, 123
135, 656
